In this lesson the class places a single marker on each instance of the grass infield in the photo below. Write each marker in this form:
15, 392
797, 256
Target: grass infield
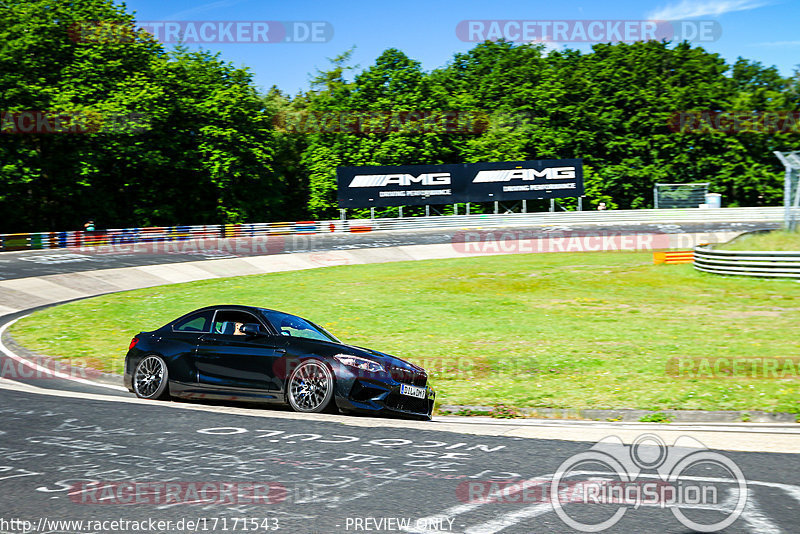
781, 240
576, 330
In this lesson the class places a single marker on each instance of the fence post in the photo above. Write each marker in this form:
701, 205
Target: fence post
36, 241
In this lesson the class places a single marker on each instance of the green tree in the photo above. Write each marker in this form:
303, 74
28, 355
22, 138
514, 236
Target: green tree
52, 180
197, 148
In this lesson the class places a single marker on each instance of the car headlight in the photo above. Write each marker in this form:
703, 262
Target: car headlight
359, 363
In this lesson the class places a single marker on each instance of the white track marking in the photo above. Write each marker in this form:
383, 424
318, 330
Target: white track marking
751, 515
43, 370
782, 428
468, 507
744, 441
754, 515
510, 519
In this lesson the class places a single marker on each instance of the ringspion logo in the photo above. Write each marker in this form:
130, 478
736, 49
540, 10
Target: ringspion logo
684, 478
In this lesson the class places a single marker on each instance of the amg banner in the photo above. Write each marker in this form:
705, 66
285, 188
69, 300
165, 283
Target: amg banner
415, 185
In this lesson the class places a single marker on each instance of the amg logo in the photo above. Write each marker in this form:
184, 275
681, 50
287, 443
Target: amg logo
506, 175
382, 180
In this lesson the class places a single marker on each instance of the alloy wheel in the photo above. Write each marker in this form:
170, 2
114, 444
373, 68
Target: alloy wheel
310, 387
150, 378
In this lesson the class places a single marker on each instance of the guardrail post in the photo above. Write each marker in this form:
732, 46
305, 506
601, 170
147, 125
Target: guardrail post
787, 198
16, 241
36, 241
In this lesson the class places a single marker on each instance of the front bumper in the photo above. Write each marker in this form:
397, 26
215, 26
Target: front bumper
380, 396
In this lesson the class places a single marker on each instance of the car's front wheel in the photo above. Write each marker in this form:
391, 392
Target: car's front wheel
310, 387
150, 379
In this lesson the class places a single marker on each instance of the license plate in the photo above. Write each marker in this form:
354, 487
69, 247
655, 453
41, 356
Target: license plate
412, 391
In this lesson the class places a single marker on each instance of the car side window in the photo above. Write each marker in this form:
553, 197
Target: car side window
198, 322
293, 326
230, 322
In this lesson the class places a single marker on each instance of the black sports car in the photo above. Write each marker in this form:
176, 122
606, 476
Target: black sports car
245, 353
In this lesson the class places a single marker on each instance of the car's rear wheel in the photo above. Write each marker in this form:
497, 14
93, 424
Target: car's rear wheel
151, 378
310, 387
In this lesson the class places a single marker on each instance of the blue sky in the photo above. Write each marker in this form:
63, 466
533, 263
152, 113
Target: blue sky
760, 30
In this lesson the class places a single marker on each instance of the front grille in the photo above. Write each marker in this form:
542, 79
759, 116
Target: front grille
409, 376
407, 404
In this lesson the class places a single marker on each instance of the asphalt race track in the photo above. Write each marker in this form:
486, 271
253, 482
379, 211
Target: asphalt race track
57, 261
64, 459
79, 451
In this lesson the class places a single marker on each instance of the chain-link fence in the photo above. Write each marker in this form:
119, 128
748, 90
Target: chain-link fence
791, 191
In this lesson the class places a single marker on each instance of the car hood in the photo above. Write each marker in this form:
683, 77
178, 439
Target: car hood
381, 357
328, 348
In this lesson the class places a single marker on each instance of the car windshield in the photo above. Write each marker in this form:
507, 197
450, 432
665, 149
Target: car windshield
291, 325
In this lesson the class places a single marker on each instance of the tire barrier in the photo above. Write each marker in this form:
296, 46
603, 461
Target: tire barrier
48, 240
769, 264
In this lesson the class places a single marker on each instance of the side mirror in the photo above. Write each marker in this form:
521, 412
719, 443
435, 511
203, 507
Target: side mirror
252, 329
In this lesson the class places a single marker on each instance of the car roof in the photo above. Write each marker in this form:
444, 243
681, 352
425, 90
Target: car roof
235, 307
240, 307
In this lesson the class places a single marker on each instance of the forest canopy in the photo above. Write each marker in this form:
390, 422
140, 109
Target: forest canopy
131, 133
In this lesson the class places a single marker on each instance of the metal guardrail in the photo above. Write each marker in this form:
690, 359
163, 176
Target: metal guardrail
651, 216
772, 264
125, 236
121, 236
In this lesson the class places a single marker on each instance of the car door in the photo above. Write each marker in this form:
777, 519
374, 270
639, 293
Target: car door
233, 362
179, 341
